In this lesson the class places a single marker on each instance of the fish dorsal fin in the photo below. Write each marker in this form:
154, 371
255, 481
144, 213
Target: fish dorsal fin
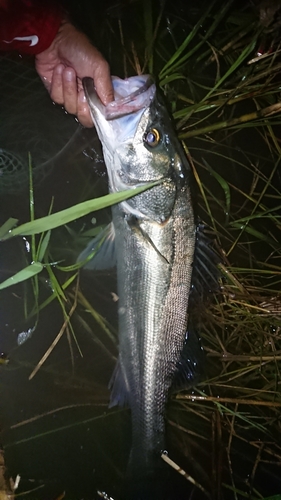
102, 249
205, 275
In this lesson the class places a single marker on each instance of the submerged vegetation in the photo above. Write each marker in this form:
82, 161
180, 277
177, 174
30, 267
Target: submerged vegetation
219, 70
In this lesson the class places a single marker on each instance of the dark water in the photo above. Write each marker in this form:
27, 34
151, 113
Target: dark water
57, 430
74, 440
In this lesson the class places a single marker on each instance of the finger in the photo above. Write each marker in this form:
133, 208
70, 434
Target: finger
56, 89
70, 93
103, 83
83, 110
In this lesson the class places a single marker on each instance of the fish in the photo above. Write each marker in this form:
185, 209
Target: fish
151, 241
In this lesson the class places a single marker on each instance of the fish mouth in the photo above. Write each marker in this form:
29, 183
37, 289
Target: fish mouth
130, 95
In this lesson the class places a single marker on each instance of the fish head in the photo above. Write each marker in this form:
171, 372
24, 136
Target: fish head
116, 122
139, 145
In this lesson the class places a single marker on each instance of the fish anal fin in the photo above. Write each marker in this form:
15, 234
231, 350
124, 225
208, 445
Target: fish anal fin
189, 367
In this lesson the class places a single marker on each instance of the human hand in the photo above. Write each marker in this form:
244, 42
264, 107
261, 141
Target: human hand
62, 66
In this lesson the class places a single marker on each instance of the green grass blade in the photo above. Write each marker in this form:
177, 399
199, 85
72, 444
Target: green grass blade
24, 274
275, 497
56, 286
31, 207
70, 214
185, 43
50, 299
257, 234
148, 33
244, 54
7, 226
224, 185
43, 246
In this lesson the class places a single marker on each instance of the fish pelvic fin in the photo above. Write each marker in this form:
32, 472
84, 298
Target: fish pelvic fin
100, 252
119, 392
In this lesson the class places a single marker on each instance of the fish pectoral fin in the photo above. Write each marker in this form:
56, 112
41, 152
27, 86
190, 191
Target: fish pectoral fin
100, 252
149, 240
119, 393
135, 226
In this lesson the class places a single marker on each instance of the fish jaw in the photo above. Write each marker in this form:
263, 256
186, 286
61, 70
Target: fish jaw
117, 122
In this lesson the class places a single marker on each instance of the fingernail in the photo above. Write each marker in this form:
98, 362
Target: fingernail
59, 69
68, 75
82, 97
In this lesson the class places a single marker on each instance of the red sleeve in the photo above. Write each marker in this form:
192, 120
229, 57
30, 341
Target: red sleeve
29, 26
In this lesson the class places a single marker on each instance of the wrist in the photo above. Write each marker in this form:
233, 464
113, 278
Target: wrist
29, 27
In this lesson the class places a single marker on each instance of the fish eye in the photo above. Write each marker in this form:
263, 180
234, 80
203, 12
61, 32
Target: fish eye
152, 137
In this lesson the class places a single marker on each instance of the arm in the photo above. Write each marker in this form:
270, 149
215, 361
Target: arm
28, 27
63, 54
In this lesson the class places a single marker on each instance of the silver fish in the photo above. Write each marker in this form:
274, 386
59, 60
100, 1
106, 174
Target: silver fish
154, 234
